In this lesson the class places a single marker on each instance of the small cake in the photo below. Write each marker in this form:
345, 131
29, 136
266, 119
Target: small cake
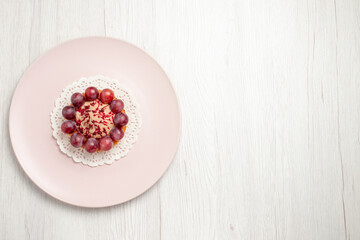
95, 120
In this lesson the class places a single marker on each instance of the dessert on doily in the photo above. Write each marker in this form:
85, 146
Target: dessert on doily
96, 120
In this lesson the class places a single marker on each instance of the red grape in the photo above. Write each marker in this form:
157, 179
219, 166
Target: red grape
116, 134
77, 140
69, 112
105, 143
106, 96
91, 93
91, 145
116, 105
68, 127
77, 99
120, 119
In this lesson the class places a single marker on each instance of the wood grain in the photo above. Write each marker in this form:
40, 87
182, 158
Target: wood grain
269, 92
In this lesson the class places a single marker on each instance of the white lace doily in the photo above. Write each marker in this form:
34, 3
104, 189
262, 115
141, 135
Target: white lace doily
119, 150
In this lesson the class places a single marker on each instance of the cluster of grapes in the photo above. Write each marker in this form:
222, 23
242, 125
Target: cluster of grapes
91, 145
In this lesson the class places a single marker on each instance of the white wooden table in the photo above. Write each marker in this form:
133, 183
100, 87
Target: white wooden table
270, 98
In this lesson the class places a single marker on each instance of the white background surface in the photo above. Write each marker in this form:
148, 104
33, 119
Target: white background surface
269, 92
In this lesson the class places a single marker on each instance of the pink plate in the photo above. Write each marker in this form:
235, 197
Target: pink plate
57, 174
